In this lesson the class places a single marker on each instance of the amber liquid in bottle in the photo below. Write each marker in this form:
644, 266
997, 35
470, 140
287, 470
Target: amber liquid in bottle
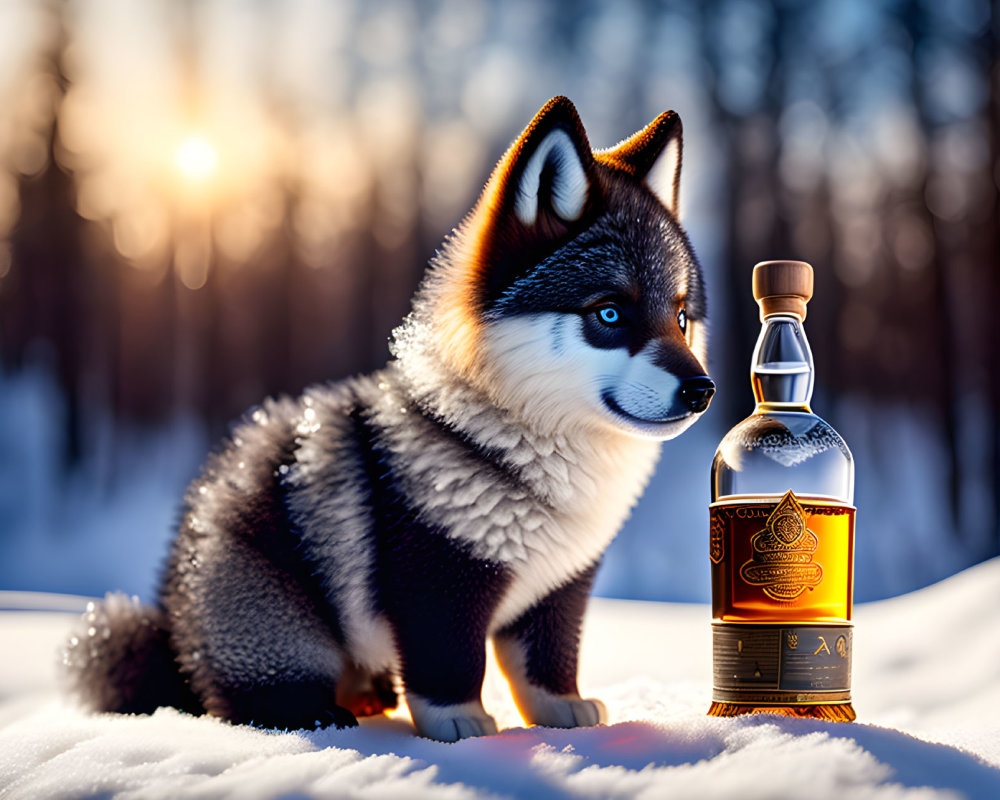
760, 586
781, 544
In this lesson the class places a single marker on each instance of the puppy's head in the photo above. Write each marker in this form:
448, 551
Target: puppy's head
570, 295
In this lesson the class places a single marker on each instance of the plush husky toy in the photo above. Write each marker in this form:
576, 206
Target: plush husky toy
380, 530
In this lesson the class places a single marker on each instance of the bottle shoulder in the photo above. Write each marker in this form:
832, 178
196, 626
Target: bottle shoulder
774, 450
787, 436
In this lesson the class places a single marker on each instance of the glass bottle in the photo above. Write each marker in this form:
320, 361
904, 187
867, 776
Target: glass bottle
782, 530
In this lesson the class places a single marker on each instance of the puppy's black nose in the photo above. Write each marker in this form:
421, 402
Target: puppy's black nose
697, 393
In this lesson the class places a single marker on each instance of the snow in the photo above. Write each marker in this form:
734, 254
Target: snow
926, 688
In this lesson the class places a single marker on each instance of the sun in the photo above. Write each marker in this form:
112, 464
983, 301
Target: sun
196, 158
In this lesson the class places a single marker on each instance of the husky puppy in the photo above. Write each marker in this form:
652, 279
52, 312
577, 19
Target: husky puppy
376, 532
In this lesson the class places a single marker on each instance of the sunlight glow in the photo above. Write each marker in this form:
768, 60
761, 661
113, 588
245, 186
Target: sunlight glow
196, 158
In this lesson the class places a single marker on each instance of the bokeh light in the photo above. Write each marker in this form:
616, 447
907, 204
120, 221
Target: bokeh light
196, 158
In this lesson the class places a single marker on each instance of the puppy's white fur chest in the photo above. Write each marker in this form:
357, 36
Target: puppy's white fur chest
546, 508
576, 529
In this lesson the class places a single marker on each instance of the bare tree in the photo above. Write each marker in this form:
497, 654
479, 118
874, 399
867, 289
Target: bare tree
50, 294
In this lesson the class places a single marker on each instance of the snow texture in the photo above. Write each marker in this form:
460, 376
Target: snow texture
926, 688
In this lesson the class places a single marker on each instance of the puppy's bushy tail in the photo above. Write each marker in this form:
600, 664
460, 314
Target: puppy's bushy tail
119, 659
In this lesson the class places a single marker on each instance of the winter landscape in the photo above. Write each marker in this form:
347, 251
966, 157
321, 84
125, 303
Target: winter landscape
926, 689
207, 202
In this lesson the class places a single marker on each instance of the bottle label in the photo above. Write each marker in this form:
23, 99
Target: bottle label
781, 664
782, 581
784, 561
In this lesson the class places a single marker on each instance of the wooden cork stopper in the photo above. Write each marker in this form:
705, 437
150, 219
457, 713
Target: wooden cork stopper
782, 287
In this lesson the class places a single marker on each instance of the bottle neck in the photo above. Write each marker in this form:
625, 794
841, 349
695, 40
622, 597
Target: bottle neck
782, 367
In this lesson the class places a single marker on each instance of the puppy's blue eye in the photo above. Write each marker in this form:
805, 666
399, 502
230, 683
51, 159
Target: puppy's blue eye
609, 315
682, 320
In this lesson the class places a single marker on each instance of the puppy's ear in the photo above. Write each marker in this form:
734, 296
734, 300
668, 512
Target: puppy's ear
653, 155
541, 189
549, 165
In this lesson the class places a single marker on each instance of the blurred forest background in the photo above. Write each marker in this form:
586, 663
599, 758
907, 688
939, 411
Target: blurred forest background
202, 203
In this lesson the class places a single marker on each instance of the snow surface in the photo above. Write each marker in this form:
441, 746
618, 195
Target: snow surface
926, 687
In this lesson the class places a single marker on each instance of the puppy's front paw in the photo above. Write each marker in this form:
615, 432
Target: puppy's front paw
588, 712
450, 723
561, 711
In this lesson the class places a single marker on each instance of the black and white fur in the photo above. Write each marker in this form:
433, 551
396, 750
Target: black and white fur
380, 530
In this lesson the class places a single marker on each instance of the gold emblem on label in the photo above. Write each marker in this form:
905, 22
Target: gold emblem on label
782, 562
793, 641
841, 647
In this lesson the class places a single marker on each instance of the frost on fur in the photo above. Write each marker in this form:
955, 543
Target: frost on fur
119, 659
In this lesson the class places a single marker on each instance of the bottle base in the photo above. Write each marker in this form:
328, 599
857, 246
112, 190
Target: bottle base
833, 712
